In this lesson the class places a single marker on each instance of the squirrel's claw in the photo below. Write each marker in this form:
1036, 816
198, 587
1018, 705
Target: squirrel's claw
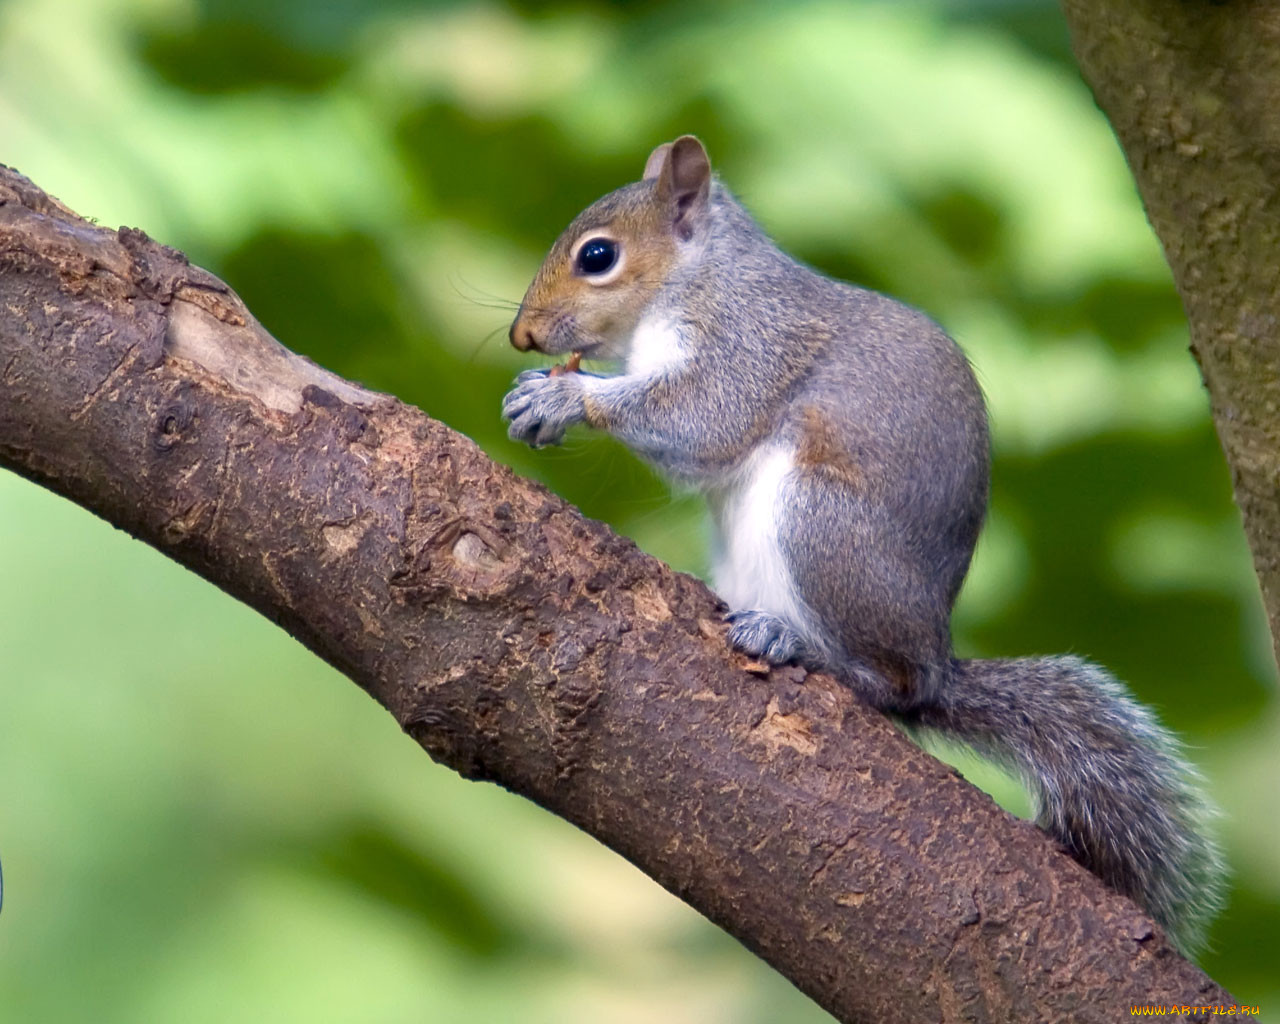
766, 636
541, 407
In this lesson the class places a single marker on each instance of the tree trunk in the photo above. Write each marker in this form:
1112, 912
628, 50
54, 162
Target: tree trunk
518, 642
1192, 89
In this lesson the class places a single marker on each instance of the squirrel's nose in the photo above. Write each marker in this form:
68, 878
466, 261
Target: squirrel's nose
522, 336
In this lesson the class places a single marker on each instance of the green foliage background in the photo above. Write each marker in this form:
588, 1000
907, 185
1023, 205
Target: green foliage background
201, 822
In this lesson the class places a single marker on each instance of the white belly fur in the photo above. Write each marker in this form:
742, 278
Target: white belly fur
750, 571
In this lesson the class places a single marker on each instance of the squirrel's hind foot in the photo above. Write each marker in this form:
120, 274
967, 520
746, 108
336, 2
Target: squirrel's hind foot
766, 636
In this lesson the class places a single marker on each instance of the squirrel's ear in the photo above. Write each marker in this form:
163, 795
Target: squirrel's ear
684, 180
653, 166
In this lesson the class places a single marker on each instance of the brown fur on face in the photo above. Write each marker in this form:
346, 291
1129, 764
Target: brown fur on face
564, 312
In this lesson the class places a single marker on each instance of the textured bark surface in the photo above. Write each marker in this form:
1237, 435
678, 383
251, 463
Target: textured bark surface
521, 643
1192, 89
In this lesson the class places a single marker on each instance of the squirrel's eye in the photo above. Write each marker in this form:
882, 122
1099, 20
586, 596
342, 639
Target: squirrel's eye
597, 255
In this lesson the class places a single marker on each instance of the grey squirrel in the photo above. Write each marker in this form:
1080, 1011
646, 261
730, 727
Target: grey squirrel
841, 441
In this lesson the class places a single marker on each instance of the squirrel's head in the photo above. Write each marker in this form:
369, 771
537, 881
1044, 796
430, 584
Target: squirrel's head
611, 262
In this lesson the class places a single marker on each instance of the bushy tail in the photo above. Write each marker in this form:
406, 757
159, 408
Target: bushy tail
1108, 781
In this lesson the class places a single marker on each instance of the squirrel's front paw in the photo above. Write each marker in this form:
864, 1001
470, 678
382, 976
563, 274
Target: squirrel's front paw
766, 636
541, 407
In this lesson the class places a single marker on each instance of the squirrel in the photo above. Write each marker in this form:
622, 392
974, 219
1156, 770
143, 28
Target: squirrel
840, 438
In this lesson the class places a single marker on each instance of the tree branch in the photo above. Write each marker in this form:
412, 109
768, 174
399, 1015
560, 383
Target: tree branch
1191, 89
518, 642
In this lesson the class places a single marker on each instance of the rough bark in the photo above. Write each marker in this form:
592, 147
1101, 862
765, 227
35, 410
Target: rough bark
518, 642
1192, 88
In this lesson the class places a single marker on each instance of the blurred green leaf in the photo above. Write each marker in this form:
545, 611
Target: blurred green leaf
222, 57
400, 874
